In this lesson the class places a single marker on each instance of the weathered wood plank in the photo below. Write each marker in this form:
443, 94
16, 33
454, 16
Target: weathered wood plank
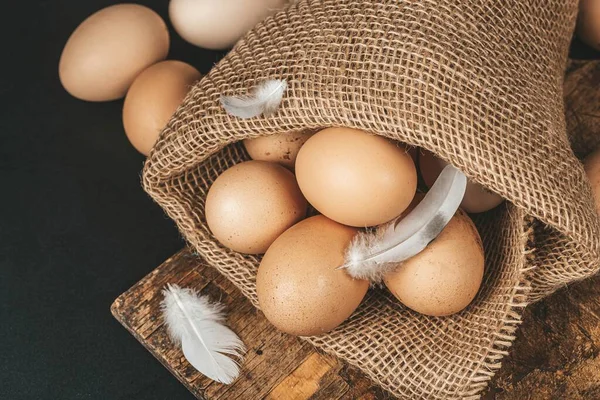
305, 381
276, 365
556, 354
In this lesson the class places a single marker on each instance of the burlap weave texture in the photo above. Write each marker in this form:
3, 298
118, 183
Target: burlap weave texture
479, 83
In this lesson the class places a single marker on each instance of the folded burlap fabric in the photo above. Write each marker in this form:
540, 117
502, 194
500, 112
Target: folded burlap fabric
479, 83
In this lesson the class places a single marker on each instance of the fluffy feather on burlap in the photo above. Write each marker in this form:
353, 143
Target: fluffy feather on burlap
477, 82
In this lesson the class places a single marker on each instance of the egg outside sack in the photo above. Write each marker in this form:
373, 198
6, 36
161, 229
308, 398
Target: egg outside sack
109, 49
218, 24
152, 98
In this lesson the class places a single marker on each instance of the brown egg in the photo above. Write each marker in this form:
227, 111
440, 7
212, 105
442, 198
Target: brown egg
477, 198
592, 169
109, 49
355, 178
299, 289
445, 277
588, 22
280, 148
153, 97
251, 204
218, 24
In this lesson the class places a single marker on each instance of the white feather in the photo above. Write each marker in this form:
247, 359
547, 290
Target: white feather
373, 254
264, 99
197, 324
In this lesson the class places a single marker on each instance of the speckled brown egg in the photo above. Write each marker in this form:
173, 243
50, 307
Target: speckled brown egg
356, 178
477, 198
153, 98
445, 277
281, 148
299, 289
251, 204
109, 49
592, 169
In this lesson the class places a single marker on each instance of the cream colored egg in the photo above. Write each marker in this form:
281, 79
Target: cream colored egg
477, 198
281, 148
592, 169
445, 277
356, 178
299, 289
218, 24
109, 49
588, 22
251, 204
153, 98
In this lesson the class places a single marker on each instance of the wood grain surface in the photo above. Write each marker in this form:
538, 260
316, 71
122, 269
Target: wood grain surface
276, 366
556, 354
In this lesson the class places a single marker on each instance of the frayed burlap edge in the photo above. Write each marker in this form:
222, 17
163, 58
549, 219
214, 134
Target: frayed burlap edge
200, 134
243, 277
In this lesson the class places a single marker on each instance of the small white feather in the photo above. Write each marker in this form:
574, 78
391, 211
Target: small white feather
197, 324
264, 99
373, 254
364, 243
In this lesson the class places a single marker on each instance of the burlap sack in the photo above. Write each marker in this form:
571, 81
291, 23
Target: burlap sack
478, 82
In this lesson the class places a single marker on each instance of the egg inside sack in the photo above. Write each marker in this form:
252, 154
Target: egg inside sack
250, 204
218, 24
109, 49
299, 289
281, 148
444, 278
153, 98
355, 178
477, 198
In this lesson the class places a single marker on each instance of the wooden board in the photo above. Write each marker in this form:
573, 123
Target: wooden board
556, 354
277, 365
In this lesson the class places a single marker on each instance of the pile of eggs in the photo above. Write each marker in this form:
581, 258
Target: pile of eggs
304, 195
351, 180
110, 54
120, 51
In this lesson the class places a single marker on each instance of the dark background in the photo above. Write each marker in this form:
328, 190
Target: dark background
76, 229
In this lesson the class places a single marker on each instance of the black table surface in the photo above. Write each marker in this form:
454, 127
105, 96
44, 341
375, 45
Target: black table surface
76, 229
